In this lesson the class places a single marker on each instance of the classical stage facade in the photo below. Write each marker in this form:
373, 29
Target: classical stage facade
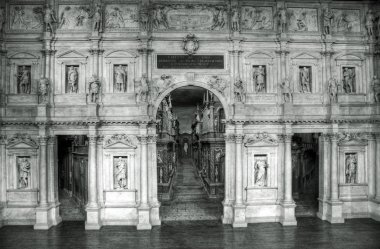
289, 106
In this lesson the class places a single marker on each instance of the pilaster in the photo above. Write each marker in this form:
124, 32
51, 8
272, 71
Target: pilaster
229, 185
152, 175
324, 175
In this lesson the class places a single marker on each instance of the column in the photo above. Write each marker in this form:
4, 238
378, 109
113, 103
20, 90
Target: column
324, 182
228, 179
92, 208
52, 180
280, 171
144, 209
3, 176
371, 166
152, 175
377, 198
99, 154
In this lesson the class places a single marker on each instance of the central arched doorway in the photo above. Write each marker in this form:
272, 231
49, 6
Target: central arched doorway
190, 154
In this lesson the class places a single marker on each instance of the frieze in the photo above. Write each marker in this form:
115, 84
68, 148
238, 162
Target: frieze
26, 18
121, 16
74, 17
189, 17
346, 20
302, 19
21, 139
120, 138
259, 137
256, 18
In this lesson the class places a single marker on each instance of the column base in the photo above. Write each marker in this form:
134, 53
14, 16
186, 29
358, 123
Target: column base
228, 213
92, 218
144, 218
239, 216
335, 212
288, 217
1, 216
374, 209
322, 209
44, 219
155, 214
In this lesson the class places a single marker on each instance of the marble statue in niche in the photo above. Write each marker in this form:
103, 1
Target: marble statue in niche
282, 19
23, 165
120, 169
305, 79
259, 78
351, 167
24, 79
376, 88
287, 93
349, 79
369, 23
43, 90
97, 18
256, 18
239, 91
2, 19
49, 18
346, 20
74, 17
120, 78
72, 77
327, 21
235, 19
261, 167
301, 19
121, 16
333, 90
26, 17
94, 88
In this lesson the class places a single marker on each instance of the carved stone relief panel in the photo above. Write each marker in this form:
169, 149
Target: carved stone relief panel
24, 79
351, 166
261, 167
259, 78
74, 17
121, 16
120, 165
189, 17
72, 78
256, 18
301, 19
23, 169
26, 18
120, 78
346, 20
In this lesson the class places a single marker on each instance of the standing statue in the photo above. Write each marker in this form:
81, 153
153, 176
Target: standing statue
369, 23
24, 171
24, 80
351, 168
348, 80
72, 78
287, 93
282, 19
94, 88
327, 19
144, 18
376, 88
333, 90
235, 19
259, 79
120, 78
305, 80
49, 18
239, 91
261, 167
121, 174
218, 20
143, 91
43, 90
97, 19
2, 20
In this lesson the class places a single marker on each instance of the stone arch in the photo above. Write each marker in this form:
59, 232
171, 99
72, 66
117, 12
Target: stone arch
177, 85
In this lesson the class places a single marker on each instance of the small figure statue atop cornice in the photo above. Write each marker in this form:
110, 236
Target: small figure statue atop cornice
239, 91
144, 18
287, 93
327, 20
49, 18
376, 88
190, 44
369, 23
43, 90
235, 19
143, 90
94, 88
97, 18
282, 19
333, 90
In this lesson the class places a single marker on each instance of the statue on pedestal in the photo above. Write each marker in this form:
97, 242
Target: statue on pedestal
348, 80
261, 166
49, 18
282, 19
287, 93
239, 91
369, 23
97, 18
94, 88
143, 90
43, 90
327, 19
333, 90
121, 174
235, 19
120, 78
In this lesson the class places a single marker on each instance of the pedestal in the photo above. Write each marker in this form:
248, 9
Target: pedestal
1, 215
239, 110
155, 215
228, 213
322, 209
56, 218
92, 219
288, 110
288, 217
335, 212
144, 219
44, 219
92, 110
374, 209
334, 110
42, 110
239, 216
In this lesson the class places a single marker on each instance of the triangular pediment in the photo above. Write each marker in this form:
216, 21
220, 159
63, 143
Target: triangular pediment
21, 141
120, 141
120, 145
306, 56
260, 139
350, 57
259, 55
23, 55
71, 54
121, 54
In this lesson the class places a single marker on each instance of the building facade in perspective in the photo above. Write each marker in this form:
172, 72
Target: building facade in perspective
271, 101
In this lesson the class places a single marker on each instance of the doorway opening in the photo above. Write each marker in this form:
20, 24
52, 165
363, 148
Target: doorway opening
305, 173
190, 155
72, 176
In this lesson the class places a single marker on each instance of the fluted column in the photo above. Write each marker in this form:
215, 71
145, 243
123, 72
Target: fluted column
152, 176
281, 167
371, 166
92, 186
99, 156
3, 186
43, 172
377, 167
334, 168
324, 174
288, 169
238, 170
51, 169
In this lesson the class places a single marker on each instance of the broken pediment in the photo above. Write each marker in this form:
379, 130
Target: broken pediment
21, 141
259, 139
120, 141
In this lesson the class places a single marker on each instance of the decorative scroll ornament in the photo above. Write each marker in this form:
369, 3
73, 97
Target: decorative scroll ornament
120, 138
190, 44
259, 137
22, 138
